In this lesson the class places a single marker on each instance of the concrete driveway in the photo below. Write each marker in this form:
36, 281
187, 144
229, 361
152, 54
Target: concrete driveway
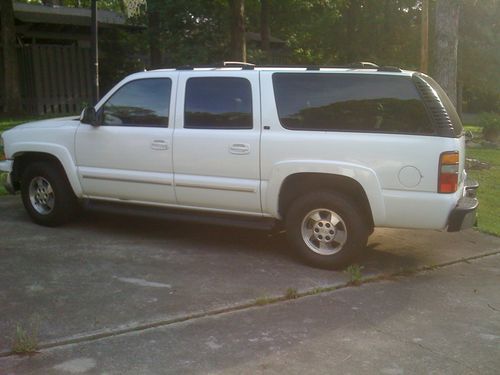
111, 274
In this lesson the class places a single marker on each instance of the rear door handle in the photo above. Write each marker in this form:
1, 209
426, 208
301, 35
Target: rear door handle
239, 149
159, 144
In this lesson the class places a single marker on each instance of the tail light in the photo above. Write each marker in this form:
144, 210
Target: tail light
448, 172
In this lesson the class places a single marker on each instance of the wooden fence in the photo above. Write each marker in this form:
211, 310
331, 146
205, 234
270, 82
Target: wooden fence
54, 79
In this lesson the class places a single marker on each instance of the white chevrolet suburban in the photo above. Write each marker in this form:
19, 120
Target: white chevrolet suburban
329, 152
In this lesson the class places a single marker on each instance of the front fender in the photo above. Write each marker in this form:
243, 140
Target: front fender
366, 177
61, 153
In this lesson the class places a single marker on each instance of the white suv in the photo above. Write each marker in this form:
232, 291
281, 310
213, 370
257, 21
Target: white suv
330, 152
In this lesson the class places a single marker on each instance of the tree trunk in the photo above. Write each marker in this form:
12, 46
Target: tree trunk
238, 46
11, 89
446, 34
265, 31
154, 36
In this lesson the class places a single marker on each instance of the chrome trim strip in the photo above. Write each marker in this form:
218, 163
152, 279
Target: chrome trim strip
127, 180
211, 187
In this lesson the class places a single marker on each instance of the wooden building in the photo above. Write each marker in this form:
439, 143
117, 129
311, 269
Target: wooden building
54, 56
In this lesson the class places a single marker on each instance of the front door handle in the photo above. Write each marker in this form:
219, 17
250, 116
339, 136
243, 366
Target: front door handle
159, 144
239, 149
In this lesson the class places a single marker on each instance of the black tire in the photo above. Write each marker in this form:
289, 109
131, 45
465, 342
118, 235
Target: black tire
62, 204
349, 237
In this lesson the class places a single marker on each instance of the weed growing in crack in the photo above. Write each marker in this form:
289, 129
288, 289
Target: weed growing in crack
354, 272
25, 340
291, 293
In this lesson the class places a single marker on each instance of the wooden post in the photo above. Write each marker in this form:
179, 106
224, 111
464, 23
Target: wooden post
95, 53
424, 44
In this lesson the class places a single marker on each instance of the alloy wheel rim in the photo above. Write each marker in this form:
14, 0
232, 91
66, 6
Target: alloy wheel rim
41, 195
324, 231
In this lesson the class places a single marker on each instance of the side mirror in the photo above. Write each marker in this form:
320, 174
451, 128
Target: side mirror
89, 116
468, 136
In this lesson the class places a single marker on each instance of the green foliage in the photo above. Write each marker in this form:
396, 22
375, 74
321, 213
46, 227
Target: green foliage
316, 32
354, 272
490, 122
480, 55
489, 189
25, 341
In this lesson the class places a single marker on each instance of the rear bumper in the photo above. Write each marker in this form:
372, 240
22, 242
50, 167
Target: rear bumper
464, 215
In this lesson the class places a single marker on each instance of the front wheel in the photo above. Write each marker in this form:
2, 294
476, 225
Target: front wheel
326, 229
46, 194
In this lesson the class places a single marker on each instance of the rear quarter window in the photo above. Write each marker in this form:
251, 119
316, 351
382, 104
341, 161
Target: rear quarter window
350, 102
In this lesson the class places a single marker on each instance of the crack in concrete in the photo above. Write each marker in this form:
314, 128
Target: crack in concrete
131, 328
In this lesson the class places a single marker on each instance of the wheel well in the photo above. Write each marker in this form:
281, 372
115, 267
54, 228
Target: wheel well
300, 183
23, 160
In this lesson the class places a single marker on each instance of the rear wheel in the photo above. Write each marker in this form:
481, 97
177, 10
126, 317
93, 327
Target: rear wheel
46, 194
326, 229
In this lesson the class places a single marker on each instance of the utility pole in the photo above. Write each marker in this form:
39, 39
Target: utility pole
94, 53
424, 44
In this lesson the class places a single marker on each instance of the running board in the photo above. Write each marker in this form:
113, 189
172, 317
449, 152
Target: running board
183, 215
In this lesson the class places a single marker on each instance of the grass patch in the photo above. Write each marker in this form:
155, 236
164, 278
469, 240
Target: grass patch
489, 189
25, 340
354, 272
476, 131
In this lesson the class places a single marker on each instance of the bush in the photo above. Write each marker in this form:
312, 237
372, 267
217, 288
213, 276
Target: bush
490, 122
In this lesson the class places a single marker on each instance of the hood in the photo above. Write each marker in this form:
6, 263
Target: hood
49, 123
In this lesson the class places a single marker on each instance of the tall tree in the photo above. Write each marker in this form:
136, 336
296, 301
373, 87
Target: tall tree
238, 45
265, 31
11, 89
446, 44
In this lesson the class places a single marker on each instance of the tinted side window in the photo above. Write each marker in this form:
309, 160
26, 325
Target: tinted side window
218, 103
349, 102
144, 102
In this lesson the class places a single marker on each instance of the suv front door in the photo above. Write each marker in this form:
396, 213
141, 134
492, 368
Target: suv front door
128, 156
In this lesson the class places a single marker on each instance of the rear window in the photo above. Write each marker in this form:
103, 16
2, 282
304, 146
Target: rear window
350, 102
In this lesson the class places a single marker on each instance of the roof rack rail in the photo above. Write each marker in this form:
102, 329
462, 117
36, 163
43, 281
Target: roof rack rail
363, 65
249, 66
224, 64
389, 69
238, 64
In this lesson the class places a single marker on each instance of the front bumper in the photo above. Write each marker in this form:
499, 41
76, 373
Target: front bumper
464, 215
5, 175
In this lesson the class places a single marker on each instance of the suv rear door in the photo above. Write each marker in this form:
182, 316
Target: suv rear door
217, 140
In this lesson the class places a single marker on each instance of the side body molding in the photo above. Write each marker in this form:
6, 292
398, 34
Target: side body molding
366, 177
